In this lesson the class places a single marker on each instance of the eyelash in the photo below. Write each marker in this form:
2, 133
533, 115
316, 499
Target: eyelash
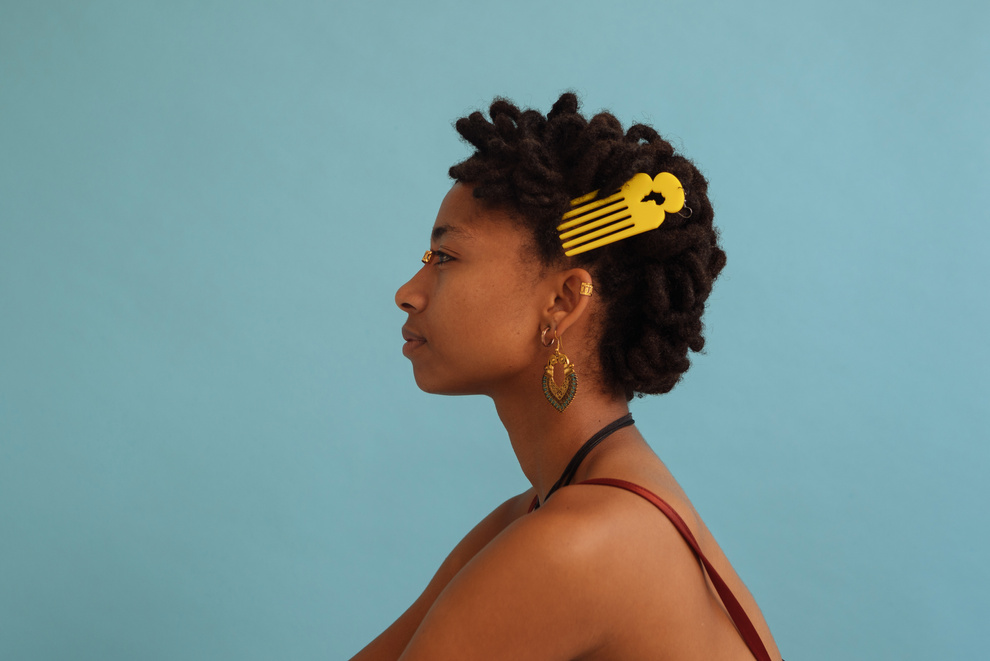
441, 257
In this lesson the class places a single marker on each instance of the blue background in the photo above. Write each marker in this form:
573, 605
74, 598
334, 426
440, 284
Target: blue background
211, 446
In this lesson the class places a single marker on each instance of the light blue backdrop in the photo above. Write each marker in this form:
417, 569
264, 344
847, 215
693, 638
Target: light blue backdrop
210, 444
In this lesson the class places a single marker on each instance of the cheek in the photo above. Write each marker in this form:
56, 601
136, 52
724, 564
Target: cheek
512, 328
491, 316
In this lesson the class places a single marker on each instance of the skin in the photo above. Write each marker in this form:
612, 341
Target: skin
596, 572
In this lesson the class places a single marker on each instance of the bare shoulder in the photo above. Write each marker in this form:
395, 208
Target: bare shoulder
515, 598
558, 583
393, 640
482, 534
657, 565
595, 573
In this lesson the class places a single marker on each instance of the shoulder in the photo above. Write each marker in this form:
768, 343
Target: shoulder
618, 538
396, 637
596, 530
606, 513
513, 599
553, 584
483, 533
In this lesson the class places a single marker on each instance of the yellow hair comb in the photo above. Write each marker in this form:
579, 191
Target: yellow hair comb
595, 223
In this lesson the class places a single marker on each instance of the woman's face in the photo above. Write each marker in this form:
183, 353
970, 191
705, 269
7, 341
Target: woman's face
475, 311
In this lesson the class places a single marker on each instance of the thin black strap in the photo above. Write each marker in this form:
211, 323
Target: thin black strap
583, 451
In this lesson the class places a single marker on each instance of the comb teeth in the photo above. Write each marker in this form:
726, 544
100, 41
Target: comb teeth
587, 218
593, 223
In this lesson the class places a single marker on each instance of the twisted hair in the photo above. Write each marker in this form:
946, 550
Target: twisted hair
653, 285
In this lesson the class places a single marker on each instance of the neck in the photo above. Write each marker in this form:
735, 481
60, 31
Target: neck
544, 439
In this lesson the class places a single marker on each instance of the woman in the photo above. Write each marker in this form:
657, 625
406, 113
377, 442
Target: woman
511, 304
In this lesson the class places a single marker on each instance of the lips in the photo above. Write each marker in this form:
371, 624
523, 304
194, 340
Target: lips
413, 341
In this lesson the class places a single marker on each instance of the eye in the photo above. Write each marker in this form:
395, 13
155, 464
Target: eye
442, 257
436, 256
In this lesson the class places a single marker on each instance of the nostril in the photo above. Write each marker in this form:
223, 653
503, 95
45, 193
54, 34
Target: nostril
410, 297
403, 299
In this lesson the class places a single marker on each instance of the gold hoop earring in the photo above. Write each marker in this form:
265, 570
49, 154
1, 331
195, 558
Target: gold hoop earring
561, 395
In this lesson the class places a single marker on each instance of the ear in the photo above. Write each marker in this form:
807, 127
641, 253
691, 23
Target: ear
568, 304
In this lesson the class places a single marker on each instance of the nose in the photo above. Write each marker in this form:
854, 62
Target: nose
411, 297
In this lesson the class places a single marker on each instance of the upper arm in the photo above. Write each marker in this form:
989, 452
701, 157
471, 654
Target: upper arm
393, 640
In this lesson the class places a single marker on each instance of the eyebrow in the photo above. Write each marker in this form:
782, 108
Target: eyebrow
442, 230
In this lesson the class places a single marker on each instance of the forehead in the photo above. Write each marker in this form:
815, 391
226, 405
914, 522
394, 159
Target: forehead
465, 219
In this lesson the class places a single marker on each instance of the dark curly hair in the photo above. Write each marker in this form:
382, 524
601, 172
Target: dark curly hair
653, 285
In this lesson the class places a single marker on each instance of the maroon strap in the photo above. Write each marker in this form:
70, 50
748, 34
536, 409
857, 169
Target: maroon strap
736, 612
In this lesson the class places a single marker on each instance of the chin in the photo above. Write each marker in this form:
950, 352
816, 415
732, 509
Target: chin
439, 386
435, 389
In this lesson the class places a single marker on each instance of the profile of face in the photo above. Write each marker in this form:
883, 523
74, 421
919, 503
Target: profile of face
476, 309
